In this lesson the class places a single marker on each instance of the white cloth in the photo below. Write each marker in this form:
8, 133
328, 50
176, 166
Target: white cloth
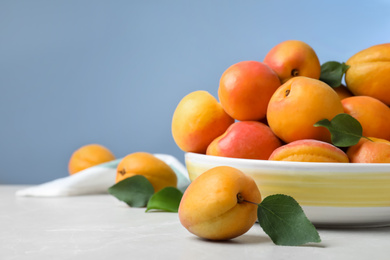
96, 180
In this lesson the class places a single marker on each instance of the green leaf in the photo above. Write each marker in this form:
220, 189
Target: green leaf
284, 221
167, 199
332, 73
135, 191
345, 130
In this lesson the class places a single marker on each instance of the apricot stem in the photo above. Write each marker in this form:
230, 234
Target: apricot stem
294, 72
287, 92
240, 199
122, 172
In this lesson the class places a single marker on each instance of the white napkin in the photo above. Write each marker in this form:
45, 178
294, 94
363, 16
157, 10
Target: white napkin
96, 180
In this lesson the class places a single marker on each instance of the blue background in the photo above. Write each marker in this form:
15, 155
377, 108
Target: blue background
112, 72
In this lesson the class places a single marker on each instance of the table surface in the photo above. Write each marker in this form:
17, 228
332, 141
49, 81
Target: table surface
101, 227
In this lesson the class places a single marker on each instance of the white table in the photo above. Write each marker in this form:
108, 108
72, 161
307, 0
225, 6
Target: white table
100, 227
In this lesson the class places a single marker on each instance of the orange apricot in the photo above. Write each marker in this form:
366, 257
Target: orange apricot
88, 156
245, 139
300, 103
155, 170
343, 92
293, 58
375, 150
198, 119
373, 115
245, 89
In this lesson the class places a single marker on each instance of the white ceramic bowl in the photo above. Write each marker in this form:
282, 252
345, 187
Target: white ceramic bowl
331, 194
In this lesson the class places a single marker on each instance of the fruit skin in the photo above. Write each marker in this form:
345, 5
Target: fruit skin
210, 208
373, 115
245, 89
197, 121
87, 156
375, 151
155, 170
245, 139
293, 58
300, 103
369, 73
309, 150
343, 92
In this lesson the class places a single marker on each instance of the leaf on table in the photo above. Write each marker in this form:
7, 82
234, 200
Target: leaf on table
135, 191
345, 130
332, 73
167, 199
284, 221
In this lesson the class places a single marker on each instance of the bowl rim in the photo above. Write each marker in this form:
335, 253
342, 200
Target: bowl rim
286, 165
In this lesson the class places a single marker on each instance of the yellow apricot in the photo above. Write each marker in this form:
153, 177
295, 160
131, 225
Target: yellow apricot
197, 121
220, 204
309, 150
155, 170
369, 73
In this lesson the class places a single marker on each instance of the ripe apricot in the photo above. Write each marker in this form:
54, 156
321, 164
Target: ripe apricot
220, 204
197, 121
245, 89
293, 58
375, 150
373, 115
300, 103
343, 92
309, 150
155, 170
88, 156
245, 139
369, 73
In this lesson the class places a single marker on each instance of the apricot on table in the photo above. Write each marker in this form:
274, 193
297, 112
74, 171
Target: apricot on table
300, 103
220, 204
293, 58
309, 150
374, 150
369, 73
245, 89
372, 114
155, 170
245, 139
198, 119
87, 156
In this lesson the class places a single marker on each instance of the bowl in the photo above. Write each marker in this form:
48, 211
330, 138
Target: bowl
331, 194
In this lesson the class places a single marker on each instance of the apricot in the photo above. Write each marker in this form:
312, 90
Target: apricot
245, 139
375, 150
309, 150
220, 204
373, 115
245, 89
343, 92
293, 58
197, 121
87, 156
155, 170
300, 103
369, 73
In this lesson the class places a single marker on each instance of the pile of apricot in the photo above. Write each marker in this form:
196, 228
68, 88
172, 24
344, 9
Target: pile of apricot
267, 110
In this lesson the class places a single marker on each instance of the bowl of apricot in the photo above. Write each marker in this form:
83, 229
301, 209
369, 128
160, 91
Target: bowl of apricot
331, 194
